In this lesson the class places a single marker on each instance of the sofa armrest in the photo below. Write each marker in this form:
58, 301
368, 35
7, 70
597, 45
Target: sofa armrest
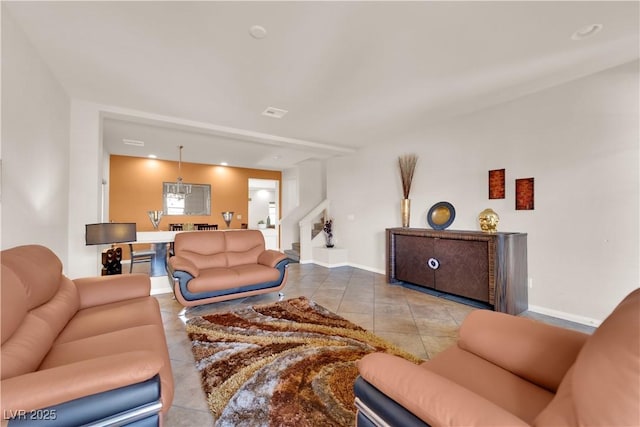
538, 352
178, 263
49, 387
270, 258
100, 290
429, 396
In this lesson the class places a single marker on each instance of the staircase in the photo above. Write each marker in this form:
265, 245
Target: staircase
317, 229
294, 253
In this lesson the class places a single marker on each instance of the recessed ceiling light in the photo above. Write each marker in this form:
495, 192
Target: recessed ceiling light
133, 142
276, 113
588, 31
152, 156
224, 164
258, 32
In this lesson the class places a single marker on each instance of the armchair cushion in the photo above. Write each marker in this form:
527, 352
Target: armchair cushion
606, 378
560, 411
431, 397
515, 394
538, 352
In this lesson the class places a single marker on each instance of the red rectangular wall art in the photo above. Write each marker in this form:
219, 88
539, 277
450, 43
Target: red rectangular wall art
524, 194
496, 184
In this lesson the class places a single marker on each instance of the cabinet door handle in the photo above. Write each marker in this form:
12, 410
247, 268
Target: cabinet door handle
433, 263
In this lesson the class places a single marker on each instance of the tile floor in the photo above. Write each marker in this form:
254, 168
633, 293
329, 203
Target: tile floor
420, 323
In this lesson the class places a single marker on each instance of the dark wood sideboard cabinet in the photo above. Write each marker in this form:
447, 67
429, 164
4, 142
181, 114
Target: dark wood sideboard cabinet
490, 268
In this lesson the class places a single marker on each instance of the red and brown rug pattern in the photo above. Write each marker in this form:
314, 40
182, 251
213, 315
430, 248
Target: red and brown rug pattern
288, 363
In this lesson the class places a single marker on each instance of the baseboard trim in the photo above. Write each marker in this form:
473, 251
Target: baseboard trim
344, 264
324, 264
565, 316
366, 268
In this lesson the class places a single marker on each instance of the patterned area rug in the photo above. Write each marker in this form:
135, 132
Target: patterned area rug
289, 363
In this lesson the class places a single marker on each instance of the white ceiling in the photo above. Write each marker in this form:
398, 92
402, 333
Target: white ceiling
351, 74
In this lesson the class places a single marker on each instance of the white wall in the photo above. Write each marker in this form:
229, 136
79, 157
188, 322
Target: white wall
308, 178
35, 147
259, 205
579, 141
85, 189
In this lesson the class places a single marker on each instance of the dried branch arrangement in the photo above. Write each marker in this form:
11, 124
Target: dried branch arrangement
407, 165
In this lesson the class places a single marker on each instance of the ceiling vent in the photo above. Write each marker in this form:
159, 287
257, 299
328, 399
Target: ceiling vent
133, 142
274, 112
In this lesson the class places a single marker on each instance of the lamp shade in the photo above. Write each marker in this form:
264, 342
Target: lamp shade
110, 232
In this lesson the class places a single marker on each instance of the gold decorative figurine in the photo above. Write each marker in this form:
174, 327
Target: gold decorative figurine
488, 221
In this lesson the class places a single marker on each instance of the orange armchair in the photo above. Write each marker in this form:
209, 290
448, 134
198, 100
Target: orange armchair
512, 371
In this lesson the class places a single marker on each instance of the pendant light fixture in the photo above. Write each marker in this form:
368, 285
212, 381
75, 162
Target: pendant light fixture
178, 189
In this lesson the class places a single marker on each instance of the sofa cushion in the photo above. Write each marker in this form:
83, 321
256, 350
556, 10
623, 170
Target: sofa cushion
213, 279
606, 375
49, 387
100, 290
39, 271
516, 395
138, 338
35, 313
57, 312
106, 318
24, 352
205, 249
243, 247
14, 303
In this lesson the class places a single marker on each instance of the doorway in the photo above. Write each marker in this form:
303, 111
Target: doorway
262, 212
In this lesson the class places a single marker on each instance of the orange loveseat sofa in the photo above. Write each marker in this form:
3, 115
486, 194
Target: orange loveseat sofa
212, 266
79, 352
512, 371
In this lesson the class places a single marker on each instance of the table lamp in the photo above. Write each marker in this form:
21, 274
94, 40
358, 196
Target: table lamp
227, 216
110, 233
155, 217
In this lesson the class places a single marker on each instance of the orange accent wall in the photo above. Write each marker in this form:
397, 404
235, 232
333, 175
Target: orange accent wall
135, 187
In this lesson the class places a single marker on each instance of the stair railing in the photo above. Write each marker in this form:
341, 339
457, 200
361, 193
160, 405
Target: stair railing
306, 226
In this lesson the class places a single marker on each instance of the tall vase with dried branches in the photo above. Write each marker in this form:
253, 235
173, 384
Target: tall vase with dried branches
407, 165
